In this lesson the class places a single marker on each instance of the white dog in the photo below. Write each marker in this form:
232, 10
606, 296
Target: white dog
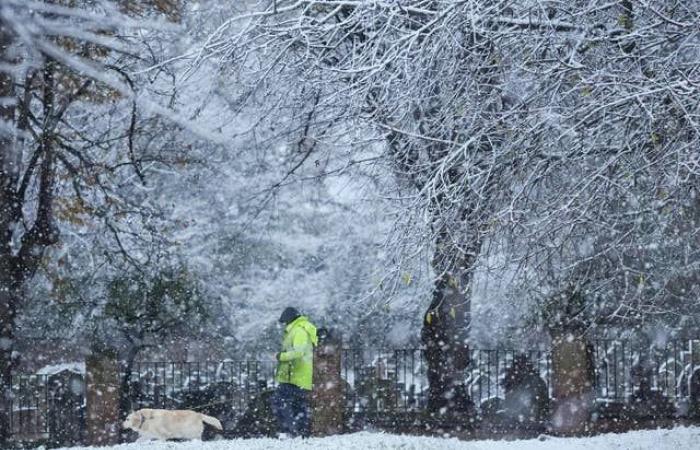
165, 424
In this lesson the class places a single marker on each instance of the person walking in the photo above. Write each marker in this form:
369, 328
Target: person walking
294, 375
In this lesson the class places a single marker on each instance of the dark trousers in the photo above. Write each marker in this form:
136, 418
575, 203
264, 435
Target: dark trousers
290, 404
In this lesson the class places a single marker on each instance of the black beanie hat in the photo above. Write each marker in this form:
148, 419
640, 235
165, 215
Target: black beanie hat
289, 314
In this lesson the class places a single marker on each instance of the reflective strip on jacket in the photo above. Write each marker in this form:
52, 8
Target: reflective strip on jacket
297, 355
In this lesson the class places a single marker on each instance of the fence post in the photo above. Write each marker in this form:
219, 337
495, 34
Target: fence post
6, 404
102, 398
327, 397
572, 383
694, 380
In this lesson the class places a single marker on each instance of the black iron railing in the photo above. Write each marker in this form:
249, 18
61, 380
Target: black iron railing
51, 408
397, 379
622, 368
47, 408
223, 389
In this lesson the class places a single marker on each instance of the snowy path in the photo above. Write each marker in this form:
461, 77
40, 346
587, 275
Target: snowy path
676, 439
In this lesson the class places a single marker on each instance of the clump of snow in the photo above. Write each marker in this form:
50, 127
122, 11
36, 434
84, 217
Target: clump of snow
661, 439
75, 367
5, 344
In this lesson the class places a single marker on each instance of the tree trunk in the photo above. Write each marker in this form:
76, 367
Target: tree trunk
445, 335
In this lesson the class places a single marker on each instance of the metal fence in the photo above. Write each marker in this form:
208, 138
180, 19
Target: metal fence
223, 389
47, 408
383, 380
377, 381
51, 408
623, 368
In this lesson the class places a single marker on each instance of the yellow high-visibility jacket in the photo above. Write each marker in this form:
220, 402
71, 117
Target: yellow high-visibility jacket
297, 355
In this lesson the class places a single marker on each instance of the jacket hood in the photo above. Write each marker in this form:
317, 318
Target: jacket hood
310, 328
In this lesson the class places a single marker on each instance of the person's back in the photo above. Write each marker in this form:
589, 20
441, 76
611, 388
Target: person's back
297, 354
295, 373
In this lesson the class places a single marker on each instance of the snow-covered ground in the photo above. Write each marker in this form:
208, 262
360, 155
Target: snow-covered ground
676, 439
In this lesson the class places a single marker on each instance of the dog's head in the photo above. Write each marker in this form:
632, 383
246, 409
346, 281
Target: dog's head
134, 420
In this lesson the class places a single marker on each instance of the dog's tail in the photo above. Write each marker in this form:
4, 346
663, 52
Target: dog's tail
213, 421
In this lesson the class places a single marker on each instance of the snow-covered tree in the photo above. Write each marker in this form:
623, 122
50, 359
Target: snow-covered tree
519, 120
71, 135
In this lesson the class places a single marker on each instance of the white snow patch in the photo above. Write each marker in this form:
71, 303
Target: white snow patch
661, 439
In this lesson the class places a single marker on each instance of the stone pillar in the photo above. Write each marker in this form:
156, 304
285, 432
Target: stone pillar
328, 395
102, 398
572, 383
